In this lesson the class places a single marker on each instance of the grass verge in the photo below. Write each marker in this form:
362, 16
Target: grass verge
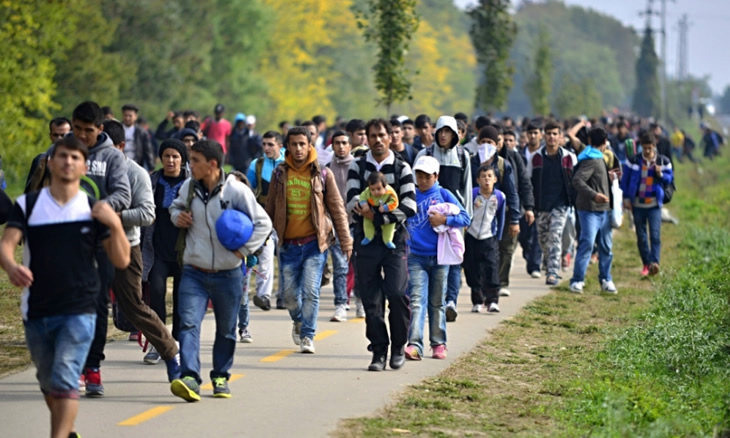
651, 361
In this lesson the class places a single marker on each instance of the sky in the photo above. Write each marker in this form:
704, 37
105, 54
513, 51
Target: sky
709, 31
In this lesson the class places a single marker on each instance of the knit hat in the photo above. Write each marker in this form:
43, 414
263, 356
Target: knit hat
489, 132
234, 229
176, 144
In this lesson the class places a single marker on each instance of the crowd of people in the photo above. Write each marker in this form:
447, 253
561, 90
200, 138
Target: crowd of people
401, 205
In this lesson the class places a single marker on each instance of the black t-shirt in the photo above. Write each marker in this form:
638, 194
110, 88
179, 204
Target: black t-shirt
60, 248
553, 191
165, 236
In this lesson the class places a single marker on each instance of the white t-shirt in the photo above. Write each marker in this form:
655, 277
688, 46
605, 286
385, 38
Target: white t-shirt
130, 149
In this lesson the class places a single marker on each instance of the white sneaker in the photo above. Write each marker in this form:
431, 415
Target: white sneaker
451, 312
340, 314
493, 308
577, 287
359, 309
535, 274
245, 336
296, 333
477, 308
504, 292
307, 346
347, 306
152, 357
608, 287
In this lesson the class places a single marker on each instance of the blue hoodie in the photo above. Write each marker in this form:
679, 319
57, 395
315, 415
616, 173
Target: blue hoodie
423, 239
590, 153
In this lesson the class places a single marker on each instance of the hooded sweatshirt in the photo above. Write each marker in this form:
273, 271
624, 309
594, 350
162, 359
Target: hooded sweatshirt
423, 239
106, 177
298, 197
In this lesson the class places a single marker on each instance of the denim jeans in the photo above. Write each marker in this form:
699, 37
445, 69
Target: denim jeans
649, 253
453, 283
301, 268
243, 317
427, 289
341, 267
223, 288
58, 347
592, 224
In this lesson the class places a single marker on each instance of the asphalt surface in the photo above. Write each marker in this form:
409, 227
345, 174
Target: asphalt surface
277, 392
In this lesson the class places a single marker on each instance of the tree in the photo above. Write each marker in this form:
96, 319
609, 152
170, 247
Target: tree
539, 84
646, 95
578, 97
492, 33
390, 25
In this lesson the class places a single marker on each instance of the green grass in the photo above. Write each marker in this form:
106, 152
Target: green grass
651, 361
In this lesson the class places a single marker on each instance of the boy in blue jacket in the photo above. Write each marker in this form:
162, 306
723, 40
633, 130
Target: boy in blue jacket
481, 257
427, 279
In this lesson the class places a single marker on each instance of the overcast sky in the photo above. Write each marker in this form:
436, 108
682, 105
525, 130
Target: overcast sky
709, 32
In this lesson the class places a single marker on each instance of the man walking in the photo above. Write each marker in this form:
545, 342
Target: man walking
305, 205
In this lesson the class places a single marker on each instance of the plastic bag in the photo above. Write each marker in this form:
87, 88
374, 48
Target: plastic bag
617, 209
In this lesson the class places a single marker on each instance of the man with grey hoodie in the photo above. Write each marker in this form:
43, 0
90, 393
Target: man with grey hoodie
106, 179
455, 176
127, 283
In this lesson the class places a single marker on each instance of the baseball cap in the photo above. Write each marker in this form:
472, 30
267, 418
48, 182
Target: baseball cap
240, 117
250, 119
427, 164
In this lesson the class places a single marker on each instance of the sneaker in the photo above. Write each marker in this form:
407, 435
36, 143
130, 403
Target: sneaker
412, 353
504, 292
296, 333
173, 368
493, 308
94, 388
476, 308
186, 388
439, 352
552, 280
74, 435
133, 337
262, 303
535, 274
280, 304
82, 382
340, 314
577, 287
645, 271
220, 388
307, 346
152, 357
347, 306
608, 287
451, 312
245, 336
359, 309
653, 269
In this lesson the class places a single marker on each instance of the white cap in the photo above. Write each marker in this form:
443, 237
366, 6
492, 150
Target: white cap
250, 119
402, 118
427, 164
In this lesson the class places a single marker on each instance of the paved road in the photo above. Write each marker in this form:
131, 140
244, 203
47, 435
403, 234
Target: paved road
277, 392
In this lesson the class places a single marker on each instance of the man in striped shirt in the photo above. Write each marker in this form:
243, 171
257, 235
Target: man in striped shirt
381, 272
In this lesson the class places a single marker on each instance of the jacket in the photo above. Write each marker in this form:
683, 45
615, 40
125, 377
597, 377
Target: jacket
590, 178
505, 183
423, 239
328, 208
482, 226
632, 177
202, 247
106, 177
141, 211
567, 163
524, 184
144, 152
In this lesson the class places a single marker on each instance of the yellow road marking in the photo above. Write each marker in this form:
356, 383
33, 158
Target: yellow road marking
233, 378
277, 356
324, 335
356, 320
146, 415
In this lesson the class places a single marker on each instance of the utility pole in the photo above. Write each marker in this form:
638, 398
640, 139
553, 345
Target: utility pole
683, 54
665, 104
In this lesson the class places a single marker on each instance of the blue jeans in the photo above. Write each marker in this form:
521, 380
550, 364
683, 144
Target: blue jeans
301, 270
58, 346
426, 288
243, 310
453, 283
592, 224
340, 267
649, 254
223, 288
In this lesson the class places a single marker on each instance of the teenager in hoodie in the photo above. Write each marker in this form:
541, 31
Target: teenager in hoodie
341, 268
259, 176
105, 179
455, 176
427, 280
